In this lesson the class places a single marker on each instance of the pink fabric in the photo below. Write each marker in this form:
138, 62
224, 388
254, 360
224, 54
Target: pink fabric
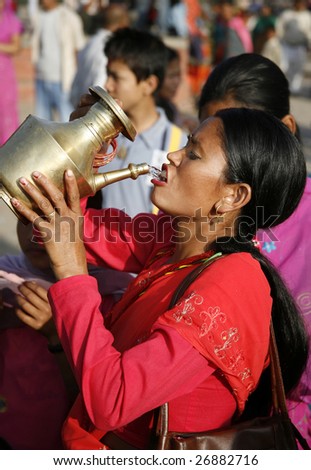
238, 25
31, 382
288, 246
30, 379
9, 118
139, 363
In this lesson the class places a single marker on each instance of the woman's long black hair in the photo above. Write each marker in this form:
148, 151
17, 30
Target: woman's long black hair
269, 158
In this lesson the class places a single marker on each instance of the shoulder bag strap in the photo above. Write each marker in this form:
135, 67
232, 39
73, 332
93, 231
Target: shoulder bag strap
277, 385
278, 392
185, 283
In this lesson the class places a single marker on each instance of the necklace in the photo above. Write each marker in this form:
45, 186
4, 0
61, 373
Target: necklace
178, 267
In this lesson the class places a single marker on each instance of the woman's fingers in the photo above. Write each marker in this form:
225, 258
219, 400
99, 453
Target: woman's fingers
45, 204
86, 101
60, 220
54, 199
59, 202
48, 198
72, 193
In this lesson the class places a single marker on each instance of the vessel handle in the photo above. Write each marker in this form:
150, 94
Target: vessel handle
102, 159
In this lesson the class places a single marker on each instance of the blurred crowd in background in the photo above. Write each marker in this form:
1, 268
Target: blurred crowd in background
203, 32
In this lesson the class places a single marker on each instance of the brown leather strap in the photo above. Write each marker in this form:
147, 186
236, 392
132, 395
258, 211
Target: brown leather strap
115, 442
278, 392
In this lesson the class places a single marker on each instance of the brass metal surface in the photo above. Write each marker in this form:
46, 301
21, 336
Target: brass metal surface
52, 147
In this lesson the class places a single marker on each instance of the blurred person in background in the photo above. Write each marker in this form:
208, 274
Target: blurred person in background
272, 48
170, 85
240, 22
152, 15
168, 91
10, 43
88, 11
265, 18
92, 61
57, 37
198, 22
293, 27
230, 35
179, 13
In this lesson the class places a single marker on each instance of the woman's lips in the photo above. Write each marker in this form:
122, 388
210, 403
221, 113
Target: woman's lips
157, 182
161, 178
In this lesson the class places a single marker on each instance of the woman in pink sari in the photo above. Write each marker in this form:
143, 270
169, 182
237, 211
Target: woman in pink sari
10, 32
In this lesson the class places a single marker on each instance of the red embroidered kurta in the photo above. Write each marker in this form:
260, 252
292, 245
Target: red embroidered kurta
217, 334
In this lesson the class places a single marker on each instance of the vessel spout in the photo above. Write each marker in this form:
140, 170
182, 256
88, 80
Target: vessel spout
132, 171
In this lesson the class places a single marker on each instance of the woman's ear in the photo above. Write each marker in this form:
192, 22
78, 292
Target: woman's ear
238, 196
290, 122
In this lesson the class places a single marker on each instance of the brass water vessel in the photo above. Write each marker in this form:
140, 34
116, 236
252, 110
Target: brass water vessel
53, 147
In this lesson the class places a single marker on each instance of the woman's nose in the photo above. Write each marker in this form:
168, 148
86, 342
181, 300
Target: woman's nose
175, 158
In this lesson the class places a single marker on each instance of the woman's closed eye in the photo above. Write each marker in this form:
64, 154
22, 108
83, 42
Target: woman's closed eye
191, 142
193, 156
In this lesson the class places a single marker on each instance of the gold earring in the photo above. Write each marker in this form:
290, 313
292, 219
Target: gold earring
218, 218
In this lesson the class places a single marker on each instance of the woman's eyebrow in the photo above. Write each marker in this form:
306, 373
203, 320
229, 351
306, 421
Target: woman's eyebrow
194, 141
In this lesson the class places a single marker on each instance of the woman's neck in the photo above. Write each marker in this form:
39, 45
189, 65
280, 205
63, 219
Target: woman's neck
192, 238
188, 242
